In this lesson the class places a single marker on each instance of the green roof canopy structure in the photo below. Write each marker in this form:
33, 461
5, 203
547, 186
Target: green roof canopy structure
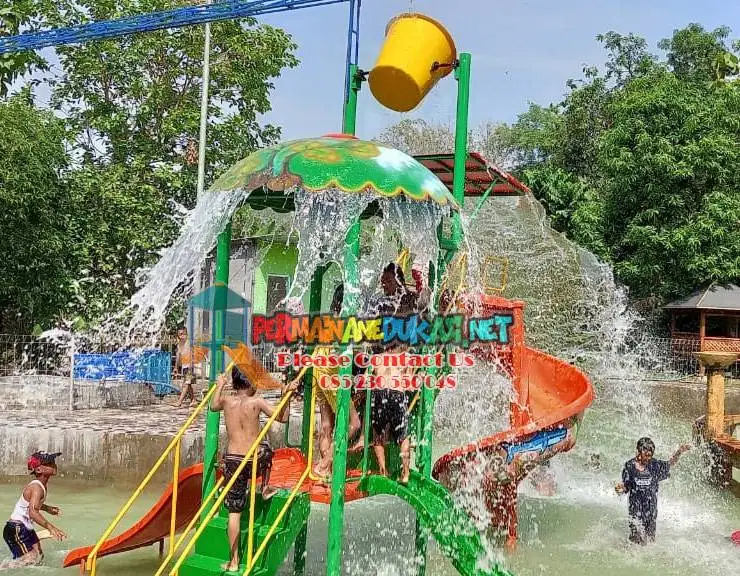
333, 162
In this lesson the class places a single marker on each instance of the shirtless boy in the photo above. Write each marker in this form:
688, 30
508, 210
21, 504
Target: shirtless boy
19, 533
242, 417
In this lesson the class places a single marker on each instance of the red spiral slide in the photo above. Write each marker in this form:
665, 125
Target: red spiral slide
550, 398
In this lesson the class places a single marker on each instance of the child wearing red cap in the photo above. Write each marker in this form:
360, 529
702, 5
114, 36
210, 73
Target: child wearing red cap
19, 533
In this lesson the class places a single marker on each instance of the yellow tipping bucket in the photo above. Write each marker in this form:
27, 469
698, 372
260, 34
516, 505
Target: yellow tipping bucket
405, 71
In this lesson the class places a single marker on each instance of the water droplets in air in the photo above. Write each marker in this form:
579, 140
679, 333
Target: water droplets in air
175, 271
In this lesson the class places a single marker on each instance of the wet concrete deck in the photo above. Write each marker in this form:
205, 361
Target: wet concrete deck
158, 420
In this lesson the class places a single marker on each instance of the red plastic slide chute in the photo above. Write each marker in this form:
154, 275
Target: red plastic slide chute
550, 398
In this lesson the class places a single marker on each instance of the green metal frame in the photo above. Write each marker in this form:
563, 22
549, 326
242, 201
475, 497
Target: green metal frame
425, 408
213, 419
335, 538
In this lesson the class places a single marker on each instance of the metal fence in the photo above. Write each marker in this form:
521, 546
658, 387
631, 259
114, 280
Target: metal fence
20, 354
30, 355
672, 359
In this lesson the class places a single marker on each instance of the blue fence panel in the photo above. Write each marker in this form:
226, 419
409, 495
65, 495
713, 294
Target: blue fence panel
149, 366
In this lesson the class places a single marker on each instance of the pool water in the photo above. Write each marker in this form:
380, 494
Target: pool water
581, 530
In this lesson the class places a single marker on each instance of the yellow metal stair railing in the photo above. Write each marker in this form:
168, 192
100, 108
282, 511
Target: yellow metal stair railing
91, 561
189, 527
251, 454
253, 557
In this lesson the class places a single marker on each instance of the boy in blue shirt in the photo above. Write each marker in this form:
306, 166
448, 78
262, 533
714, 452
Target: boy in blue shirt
640, 479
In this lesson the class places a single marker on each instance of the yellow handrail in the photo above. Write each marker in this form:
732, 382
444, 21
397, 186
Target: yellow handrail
190, 525
252, 559
211, 513
91, 560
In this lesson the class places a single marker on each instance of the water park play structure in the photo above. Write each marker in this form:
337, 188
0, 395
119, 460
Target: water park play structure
349, 181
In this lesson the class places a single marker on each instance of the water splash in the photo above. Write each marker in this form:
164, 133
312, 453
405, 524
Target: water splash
322, 221
175, 271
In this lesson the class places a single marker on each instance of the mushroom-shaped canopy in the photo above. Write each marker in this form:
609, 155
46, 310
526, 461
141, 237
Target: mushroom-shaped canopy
336, 162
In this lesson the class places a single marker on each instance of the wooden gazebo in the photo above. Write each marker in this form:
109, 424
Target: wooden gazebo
709, 317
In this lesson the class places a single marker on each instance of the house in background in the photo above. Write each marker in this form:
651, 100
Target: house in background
707, 321
260, 271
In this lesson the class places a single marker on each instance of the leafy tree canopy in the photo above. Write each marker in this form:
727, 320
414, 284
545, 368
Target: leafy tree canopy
130, 110
34, 219
638, 162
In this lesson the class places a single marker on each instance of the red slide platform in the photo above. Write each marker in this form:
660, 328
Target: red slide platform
155, 525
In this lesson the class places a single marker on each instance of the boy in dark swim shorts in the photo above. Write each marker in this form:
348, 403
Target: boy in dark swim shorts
236, 499
242, 417
389, 404
19, 532
389, 416
640, 479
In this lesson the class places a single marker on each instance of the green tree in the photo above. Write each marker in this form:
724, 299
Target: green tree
119, 220
628, 56
573, 205
534, 137
136, 100
672, 215
417, 136
14, 64
37, 264
692, 51
636, 164
132, 109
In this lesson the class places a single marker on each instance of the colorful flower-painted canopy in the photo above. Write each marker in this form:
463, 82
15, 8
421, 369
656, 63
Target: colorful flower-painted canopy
336, 162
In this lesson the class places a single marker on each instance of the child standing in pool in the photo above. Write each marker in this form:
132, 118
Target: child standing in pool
19, 533
640, 479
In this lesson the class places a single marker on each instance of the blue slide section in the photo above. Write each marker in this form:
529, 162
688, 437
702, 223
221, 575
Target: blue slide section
539, 443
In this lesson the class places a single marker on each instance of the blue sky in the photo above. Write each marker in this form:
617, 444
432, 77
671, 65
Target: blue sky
523, 51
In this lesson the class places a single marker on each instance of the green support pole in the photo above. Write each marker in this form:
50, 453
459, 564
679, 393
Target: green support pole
462, 75
480, 203
349, 124
213, 419
299, 552
451, 244
314, 307
341, 421
427, 428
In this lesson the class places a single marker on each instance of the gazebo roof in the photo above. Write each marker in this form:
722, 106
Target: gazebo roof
479, 175
714, 297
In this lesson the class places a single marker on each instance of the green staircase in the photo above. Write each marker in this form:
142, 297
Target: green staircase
451, 527
212, 548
